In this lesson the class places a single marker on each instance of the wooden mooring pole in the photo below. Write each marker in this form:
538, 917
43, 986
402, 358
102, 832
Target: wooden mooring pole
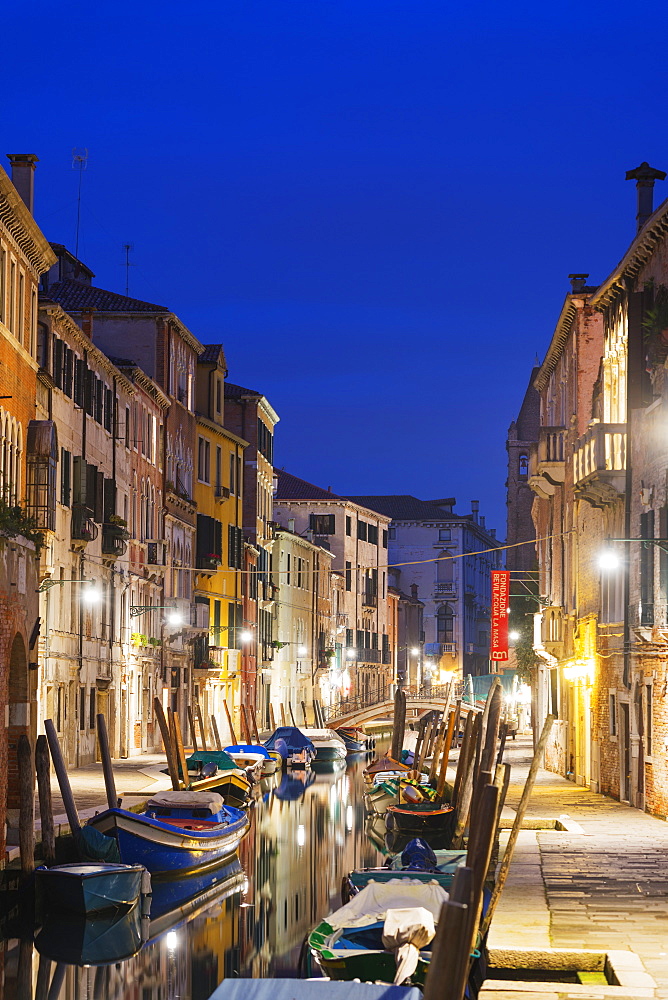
43, 768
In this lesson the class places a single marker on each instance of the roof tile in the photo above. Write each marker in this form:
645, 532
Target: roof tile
76, 295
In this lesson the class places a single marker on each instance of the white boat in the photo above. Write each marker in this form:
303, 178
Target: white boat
328, 746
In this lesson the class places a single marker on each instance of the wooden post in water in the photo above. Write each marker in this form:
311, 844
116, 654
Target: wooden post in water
233, 738
466, 788
440, 787
418, 743
42, 766
216, 734
191, 723
492, 731
61, 774
255, 730
448, 970
463, 756
425, 745
58, 980
202, 731
517, 824
179, 748
479, 854
291, 714
282, 714
105, 754
304, 714
43, 972
172, 764
272, 720
26, 804
394, 745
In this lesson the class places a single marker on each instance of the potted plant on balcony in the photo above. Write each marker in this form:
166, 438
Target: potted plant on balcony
117, 525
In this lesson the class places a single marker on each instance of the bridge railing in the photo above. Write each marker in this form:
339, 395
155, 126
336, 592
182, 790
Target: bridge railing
358, 704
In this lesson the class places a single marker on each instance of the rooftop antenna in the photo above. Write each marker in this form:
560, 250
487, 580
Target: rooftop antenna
79, 161
127, 247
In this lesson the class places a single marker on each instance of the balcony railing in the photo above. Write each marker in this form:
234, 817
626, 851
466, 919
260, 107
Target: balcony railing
551, 442
439, 648
114, 540
370, 600
84, 528
365, 655
601, 449
446, 588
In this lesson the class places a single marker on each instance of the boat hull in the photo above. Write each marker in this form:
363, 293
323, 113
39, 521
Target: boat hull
163, 847
368, 965
421, 819
85, 889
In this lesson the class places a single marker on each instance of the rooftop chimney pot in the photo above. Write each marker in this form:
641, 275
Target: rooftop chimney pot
578, 282
475, 507
23, 177
414, 590
644, 176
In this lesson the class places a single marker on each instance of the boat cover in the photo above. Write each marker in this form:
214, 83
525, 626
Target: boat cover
222, 760
322, 735
406, 932
373, 902
385, 764
293, 737
306, 989
187, 800
247, 748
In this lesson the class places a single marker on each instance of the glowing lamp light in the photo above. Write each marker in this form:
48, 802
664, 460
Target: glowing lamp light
301, 836
301, 650
445, 676
174, 618
513, 636
171, 940
350, 654
415, 651
91, 595
580, 670
245, 636
608, 560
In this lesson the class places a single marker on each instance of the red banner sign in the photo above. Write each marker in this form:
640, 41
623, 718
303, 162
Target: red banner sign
499, 633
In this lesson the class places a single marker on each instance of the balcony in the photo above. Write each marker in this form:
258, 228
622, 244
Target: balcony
599, 464
547, 467
209, 562
114, 540
446, 589
156, 553
387, 656
84, 528
439, 648
365, 655
369, 600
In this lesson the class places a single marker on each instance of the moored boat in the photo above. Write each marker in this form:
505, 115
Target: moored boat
98, 939
180, 831
229, 780
423, 818
382, 769
249, 758
328, 746
296, 749
304, 989
417, 861
348, 944
89, 887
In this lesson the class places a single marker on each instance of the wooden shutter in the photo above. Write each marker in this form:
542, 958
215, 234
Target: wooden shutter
80, 374
80, 480
58, 362
109, 498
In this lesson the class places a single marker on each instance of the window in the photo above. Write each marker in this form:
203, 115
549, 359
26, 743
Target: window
361, 530
372, 533
219, 395
203, 460
265, 441
647, 570
445, 624
235, 546
11, 452
392, 531
349, 525
613, 713
287, 569
21, 307
300, 567
233, 469
3, 283
65, 477
12, 297
322, 524
349, 575
82, 708
42, 459
385, 538
648, 720
523, 467
444, 534
127, 426
91, 709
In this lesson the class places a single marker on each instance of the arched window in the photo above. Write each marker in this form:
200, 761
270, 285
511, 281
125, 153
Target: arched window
444, 567
523, 466
445, 624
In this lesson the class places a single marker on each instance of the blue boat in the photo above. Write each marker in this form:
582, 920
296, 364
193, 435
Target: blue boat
90, 888
296, 749
180, 831
103, 939
416, 861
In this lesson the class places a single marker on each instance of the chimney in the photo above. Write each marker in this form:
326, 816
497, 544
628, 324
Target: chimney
578, 282
644, 176
475, 506
23, 176
482, 521
414, 591
87, 321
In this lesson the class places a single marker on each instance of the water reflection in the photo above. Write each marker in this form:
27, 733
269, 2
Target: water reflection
248, 918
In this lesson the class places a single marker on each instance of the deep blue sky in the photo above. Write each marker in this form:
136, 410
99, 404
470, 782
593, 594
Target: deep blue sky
374, 204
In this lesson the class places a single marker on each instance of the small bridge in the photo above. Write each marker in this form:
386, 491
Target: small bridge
385, 710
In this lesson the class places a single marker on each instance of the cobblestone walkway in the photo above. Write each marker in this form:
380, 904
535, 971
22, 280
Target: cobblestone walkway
604, 888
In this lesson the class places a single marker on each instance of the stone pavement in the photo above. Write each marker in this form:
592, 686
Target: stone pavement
601, 884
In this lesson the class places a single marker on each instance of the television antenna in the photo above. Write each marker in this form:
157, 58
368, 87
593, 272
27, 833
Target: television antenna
79, 162
128, 248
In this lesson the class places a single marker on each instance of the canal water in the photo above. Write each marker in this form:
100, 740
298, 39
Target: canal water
247, 919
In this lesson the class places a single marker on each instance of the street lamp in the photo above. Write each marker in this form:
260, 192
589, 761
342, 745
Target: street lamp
47, 584
351, 654
513, 636
174, 618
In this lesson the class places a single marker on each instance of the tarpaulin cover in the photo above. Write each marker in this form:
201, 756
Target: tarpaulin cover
307, 989
372, 903
385, 764
405, 932
294, 739
245, 748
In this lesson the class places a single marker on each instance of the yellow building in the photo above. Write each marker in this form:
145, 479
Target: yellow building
218, 580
